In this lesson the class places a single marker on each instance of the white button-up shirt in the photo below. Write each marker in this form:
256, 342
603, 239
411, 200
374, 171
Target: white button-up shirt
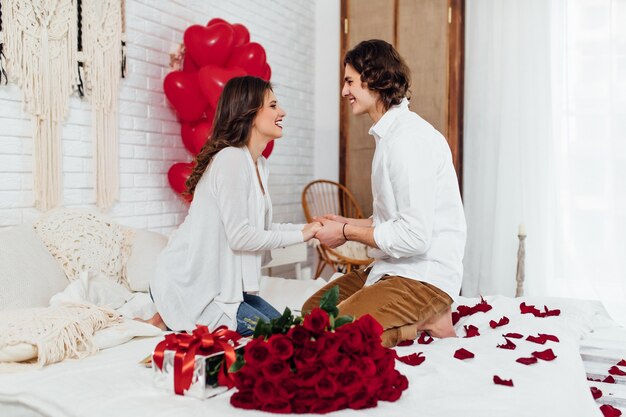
418, 218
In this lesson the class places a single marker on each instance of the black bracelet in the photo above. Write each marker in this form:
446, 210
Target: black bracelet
343, 230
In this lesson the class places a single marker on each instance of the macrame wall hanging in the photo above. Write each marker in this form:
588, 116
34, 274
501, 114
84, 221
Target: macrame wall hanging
43, 40
101, 25
40, 46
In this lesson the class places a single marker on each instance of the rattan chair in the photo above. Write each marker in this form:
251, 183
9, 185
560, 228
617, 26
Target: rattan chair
322, 197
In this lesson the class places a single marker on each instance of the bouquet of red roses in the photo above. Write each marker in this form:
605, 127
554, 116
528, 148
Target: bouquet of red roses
318, 364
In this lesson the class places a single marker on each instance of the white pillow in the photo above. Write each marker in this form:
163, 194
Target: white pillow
142, 261
29, 275
292, 293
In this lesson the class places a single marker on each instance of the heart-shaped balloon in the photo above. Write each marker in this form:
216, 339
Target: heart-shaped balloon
242, 36
250, 57
268, 149
183, 91
212, 80
188, 64
178, 175
267, 72
216, 20
209, 45
195, 134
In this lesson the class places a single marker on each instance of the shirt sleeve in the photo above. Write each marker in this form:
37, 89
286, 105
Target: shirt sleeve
412, 168
232, 186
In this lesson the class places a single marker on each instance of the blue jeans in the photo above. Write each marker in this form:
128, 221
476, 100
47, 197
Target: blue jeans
251, 310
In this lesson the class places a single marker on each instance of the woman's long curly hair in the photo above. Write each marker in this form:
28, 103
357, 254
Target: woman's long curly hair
241, 100
382, 68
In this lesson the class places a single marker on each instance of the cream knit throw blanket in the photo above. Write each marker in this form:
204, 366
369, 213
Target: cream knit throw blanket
58, 333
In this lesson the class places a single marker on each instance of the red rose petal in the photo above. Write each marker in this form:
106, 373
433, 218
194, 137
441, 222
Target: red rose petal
610, 411
621, 363
500, 381
503, 321
595, 380
463, 354
412, 359
545, 355
508, 345
529, 309
424, 339
527, 361
596, 393
406, 343
513, 335
548, 313
609, 380
616, 371
483, 306
537, 339
550, 337
471, 331
463, 310
455, 317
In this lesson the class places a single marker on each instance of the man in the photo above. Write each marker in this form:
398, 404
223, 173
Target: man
417, 232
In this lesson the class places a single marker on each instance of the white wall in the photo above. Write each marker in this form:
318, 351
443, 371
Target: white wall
149, 133
327, 89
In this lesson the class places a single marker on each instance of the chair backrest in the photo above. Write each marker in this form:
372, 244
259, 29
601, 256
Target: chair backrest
322, 197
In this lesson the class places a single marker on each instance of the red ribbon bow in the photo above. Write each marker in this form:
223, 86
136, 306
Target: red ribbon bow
199, 342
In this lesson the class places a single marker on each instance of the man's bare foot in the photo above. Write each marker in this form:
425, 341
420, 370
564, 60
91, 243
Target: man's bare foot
155, 320
440, 326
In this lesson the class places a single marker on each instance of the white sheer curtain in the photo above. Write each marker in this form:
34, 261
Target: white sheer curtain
545, 145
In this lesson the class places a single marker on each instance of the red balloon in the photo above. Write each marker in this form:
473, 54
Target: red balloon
216, 20
209, 45
212, 80
268, 149
195, 134
242, 36
178, 175
182, 90
188, 64
267, 72
250, 57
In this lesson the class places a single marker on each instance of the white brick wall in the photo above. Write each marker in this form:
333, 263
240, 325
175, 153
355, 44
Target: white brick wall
149, 133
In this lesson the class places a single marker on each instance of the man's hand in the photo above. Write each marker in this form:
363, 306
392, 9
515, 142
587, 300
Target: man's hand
337, 218
331, 233
309, 230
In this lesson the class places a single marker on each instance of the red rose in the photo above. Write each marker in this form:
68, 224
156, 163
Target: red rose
328, 345
402, 382
385, 364
245, 378
336, 364
323, 406
306, 355
287, 387
326, 387
340, 402
350, 380
243, 399
265, 392
256, 352
281, 347
377, 351
299, 335
373, 385
369, 327
361, 399
389, 394
276, 369
367, 366
353, 342
308, 377
304, 400
280, 405
316, 321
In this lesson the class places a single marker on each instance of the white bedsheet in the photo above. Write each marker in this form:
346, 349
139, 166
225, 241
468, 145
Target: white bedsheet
112, 383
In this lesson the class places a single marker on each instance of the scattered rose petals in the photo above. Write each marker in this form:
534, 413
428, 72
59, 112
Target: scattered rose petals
621, 363
595, 380
531, 309
527, 361
483, 306
463, 310
550, 337
545, 355
610, 411
413, 359
542, 338
471, 331
616, 371
503, 321
513, 335
508, 345
609, 380
406, 343
463, 354
596, 393
424, 339
500, 381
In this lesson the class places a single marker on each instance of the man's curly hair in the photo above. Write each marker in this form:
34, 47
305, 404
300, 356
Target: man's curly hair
382, 68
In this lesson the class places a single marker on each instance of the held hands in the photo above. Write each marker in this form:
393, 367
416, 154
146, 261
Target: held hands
310, 229
331, 234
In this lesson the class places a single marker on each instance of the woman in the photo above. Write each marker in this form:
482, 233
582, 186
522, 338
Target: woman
211, 264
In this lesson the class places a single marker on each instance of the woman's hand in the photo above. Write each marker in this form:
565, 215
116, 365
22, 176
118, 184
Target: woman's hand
309, 230
337, 218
